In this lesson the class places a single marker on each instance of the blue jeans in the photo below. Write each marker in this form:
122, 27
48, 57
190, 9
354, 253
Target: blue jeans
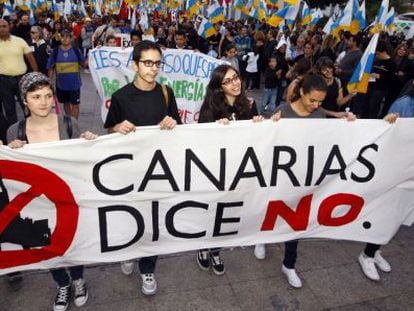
147, 264
280, 91
291, 254
269, 100
61, 275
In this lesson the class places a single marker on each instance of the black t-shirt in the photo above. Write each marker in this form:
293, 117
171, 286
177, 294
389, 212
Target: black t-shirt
41, 56
22, 31
141, 107
386, 68
207, 115
271, 79
330, 102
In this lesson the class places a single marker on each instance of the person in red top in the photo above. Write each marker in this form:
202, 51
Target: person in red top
77, 29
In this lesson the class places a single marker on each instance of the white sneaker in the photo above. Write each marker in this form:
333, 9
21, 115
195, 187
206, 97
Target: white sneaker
292, 277
149, 284
381, 263
260, 251
127, 267
81, 292
368, 267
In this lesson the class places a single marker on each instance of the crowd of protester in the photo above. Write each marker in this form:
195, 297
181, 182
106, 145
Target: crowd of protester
291, 67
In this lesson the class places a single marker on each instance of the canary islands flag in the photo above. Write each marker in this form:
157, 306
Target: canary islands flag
381, 17
359, 21
330, 24
360, 78
215, 13
306, 14
389, 20
278, 17
192, 7
206, 29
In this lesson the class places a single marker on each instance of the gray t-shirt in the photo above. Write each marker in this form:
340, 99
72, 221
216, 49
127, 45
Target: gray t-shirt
12, 132
288, 112
348, 64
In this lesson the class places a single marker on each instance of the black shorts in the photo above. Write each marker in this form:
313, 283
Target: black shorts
68, 97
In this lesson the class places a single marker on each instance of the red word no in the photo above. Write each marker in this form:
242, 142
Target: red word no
298, 220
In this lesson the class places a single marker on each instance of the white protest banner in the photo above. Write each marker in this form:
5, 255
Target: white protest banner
199, 186
185, 71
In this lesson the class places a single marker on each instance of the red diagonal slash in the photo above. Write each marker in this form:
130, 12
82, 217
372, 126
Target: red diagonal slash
42, 182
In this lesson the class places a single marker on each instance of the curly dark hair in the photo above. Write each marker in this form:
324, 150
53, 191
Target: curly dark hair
323, 62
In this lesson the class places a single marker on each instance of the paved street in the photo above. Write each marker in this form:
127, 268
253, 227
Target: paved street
332, 278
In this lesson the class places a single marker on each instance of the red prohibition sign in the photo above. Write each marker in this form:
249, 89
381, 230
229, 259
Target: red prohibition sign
42, 182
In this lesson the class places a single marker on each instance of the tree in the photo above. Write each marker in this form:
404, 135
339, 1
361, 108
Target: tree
372, 7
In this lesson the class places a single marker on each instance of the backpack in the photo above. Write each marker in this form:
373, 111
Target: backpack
21, 128
165, 95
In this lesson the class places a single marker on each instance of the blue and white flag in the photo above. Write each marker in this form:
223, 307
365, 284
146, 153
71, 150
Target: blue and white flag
83, 12
206, 29
389, 19
360, 19
68, 8
7, 9
360, 78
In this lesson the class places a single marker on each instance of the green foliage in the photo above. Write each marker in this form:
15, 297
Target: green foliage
372, 7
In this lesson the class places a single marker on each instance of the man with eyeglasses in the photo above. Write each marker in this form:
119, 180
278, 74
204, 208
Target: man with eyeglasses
140, 103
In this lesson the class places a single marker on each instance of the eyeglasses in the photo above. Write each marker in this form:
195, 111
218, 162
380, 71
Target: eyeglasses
150, 63
234, 79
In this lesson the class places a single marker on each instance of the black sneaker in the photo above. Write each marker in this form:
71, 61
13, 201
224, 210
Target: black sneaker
217, 264
62, 298
203, 260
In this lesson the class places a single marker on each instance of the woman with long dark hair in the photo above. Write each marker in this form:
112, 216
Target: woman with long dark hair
226, 97
225, 100
305, 103
404, 72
